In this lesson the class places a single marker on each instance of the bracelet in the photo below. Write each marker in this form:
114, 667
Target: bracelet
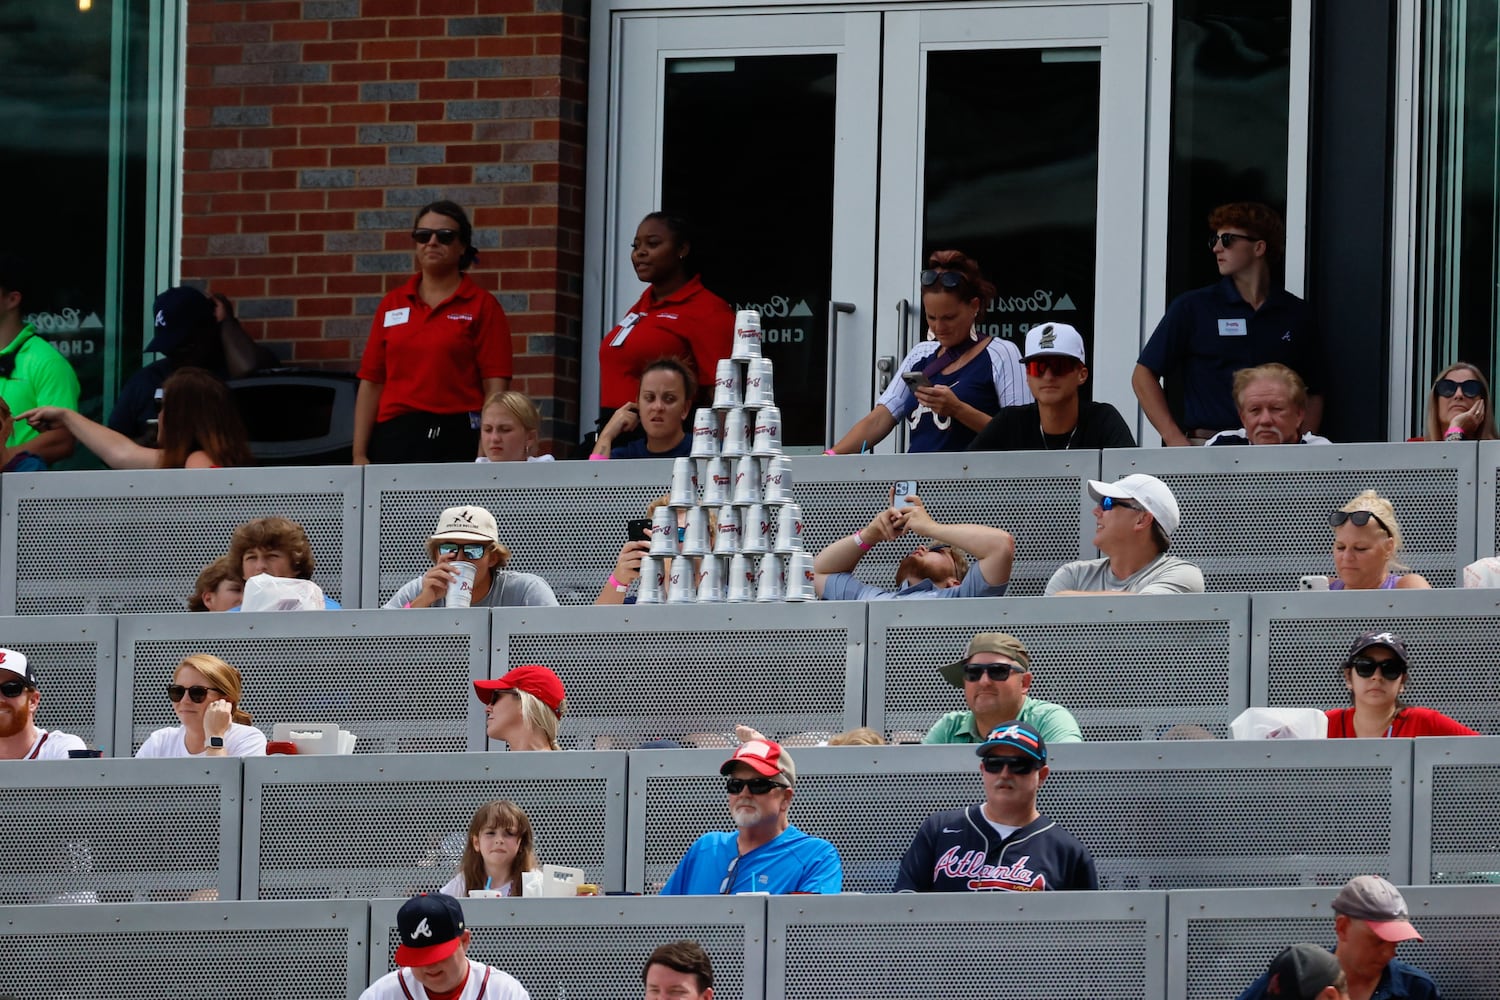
860, 541
1452, 431
598, 458
829, 451
615, 583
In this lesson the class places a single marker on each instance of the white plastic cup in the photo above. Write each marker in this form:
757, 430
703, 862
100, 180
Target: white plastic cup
461, 590
767, 443
789, 529
711, 581
770, 581
776, 480
746, 335
718, 482
756, 530
681, 584
695, 536
649, 591
759, 385
729, 385
799, 577
746, 482
741, 582
705, 434
664, 532
738, 431
727, 540
684, 492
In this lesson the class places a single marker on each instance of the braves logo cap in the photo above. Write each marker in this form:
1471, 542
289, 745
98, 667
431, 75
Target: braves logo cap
16, 663
182, 314
1301, 972
1015, 735
431, 929
1386, 639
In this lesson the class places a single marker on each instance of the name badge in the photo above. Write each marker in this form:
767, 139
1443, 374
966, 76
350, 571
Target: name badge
1233, 328
395, 317
625, 327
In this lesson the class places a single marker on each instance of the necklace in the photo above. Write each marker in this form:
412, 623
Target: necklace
1048, 447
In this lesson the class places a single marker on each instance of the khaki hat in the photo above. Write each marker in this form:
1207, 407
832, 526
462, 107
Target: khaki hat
987, 642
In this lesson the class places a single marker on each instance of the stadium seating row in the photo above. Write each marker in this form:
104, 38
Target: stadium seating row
1253, 518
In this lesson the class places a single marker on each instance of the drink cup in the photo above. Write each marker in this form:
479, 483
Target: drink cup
684, 492
739, 429
776, 480
461, 590
741, 583
711, 581
746, 335
789, 529
799, 577
695, 537
746, 482
755, 530
650, 589
664, 532
727, 540
717, 483
770, 581
681, 584
729, 385
767, 442
759, 387
705, 434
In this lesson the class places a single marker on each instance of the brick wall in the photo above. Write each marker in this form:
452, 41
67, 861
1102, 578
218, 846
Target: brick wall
314, 129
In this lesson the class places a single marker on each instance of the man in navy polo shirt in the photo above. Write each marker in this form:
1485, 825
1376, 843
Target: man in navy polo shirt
1209, 334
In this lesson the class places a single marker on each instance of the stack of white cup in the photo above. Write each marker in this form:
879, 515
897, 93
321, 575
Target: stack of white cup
737, 469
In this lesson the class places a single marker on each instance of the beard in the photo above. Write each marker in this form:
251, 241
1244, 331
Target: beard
12, 721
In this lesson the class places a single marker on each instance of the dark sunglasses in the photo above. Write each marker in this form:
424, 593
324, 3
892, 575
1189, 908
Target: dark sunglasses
948, 279
11, 689
1360, 519
1017, 765
757, 786
1228, 239
197, 692
495, 696
469, 550
999, 672
1472, 388
444, 236
1391, 670
1056, 365
1110, 503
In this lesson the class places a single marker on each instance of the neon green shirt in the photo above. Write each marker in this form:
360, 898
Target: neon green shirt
42, 377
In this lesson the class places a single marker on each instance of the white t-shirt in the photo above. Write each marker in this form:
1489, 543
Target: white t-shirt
240, 741
52, 746
456, 887
1163, 575
495, 986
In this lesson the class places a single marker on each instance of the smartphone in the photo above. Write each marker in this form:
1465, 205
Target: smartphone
900, 491
916, 380
637, 530
1314, 583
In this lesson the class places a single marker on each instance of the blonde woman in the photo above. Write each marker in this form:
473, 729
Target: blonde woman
508, 428
1366, 542
205, 693
1458, 406
524, 707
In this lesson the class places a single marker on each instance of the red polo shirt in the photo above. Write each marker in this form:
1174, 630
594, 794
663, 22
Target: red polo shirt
691, 323
436, 360
1410, 721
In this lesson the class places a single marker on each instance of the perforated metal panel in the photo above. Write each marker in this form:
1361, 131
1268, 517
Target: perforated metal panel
398, 680
1220, 941
690, 673
394, 825
115, 831
1034, 945
74, 660
302, 951
1128, 668
1488, 534
158, 529
569, 948
1257, 518
1300, 641
1456, 793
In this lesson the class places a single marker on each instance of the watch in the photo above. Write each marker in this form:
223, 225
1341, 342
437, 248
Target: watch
216, 743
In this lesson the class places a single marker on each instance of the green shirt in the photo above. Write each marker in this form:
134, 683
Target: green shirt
1055, 724
42, 377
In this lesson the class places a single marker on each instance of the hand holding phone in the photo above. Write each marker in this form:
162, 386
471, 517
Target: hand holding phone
638, 530
916, 380
900, 491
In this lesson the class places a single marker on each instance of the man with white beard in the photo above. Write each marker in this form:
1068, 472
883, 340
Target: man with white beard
20, 738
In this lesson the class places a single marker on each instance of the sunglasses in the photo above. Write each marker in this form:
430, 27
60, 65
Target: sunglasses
1017, 765
12, 689
1056, 365
495, 696
999, 672
1472, 388
757, 786
197, 692
1391, 670
1360, 518
1228, 239
444, 236
1110, 503
948, 279
469, 550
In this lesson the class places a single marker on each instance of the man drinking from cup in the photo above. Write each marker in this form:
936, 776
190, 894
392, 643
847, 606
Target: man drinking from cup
468, 569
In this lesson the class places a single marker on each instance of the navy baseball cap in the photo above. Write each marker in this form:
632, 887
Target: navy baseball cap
182, 314
1015, 735
1386, 639
431, 928
1301, 972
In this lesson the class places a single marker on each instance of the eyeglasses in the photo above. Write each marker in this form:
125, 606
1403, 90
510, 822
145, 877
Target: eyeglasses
1391, 670
197, 692
444, 236
495, 696
1228, 239
469, 550
12, 689
1110, 503
1017, 765
998, 672
1472, 388
1360, 518
757, 786
1056, 365
948, 279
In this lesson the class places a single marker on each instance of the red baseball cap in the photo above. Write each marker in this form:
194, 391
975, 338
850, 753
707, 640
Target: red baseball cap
533, 679
764, 757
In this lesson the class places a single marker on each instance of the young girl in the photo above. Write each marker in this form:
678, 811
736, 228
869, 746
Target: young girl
219, 587
499, 849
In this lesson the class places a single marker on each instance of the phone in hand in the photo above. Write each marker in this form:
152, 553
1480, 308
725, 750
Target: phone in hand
916, 380
1314, 583
637, 530
900, 491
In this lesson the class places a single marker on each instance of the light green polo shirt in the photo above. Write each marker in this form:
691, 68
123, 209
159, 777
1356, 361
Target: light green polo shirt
1055, 724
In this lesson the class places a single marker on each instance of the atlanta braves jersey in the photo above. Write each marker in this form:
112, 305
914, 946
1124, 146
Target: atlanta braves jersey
484, 983
960, 851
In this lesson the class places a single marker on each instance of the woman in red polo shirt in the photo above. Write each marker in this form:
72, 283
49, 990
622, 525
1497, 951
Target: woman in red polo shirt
438, 347
676, 316
1375, 674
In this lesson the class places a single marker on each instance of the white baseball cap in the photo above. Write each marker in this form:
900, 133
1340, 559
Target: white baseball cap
1148, 491
1054, 339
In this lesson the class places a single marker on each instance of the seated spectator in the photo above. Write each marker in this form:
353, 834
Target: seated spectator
433, 956
15, 457
205, 693
860, 736
764, 853
1058, 420
1483, 573
523, 707
508, 429
500, 847
1307, 972
276, 546
628, 562
1366, 539
32, 372
931, 571
1370, 919
1458, 406
20, 737
664, 401
469, 534
219, 587
1375, 673
1271, 400
198, 427
679, 971
995, 675
1134, 519
1003, 844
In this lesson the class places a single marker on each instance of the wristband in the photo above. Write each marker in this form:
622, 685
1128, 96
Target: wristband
860, 541
1455, 429
829, 451
598, 458
615, 583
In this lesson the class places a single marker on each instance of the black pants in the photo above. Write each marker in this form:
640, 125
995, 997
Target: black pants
424, 437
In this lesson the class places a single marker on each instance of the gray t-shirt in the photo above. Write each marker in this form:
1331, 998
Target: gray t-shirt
507, 590
1163, 575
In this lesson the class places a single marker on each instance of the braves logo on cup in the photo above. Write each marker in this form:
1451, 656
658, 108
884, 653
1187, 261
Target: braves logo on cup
763, 429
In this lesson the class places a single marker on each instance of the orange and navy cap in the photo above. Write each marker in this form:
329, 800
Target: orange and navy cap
1015, 735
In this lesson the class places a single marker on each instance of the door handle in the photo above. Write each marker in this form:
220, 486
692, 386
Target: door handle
834, 308
885, 366
903, 335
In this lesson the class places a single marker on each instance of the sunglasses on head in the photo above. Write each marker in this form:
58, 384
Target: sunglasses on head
1359, 518
1057, 365
197, 692
469, 550
1110, 503
997, 671
947, 279
1017, 765
12, 689
444, 236
1472, 388
1389, 669
757, 786
1228, 239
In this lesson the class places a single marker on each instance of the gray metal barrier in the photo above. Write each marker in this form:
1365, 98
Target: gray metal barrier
155, 531
398, 680
1161, 815
560, 948
1455, 796
1128, 668
74, 660
1035, 945
1257, 518
1488, 535
1221, 940
394, 825
89, 831
1299, 641
238, 951
688, 674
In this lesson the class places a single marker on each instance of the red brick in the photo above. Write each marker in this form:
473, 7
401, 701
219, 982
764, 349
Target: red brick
197, 160
530, 323
330, 93
292, 329
483, 153
325, 307
362, 114
357, 156
445, 132
274, 10
498, 46
415, 112
268, 180
359, 72
402, 48
544, 173
300, 115
325, 263
193, 204
506, 260
302, 157
296, 243
360, 27
448, 48
197, 117
357, 284
265, 265
506, 6
301, 31
492, 216
388, 8
535, 24
271, 223
217, 12
492, 89
416, 70
241, 288
215, 55
331, 52
210, 225
445, 175
271, 137
329, 135
546, 130
448, 8
446, 90
302, 285
238, 203
194, 246
213, 181
325, 221
212, 267
298, 201
356, 198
